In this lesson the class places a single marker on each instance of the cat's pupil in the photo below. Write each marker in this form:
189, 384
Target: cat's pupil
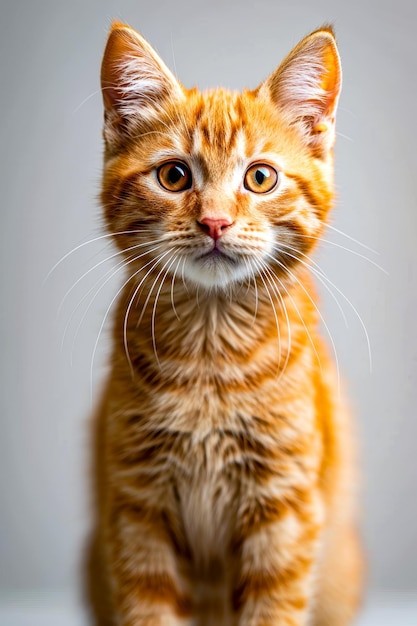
175, 174
260, 176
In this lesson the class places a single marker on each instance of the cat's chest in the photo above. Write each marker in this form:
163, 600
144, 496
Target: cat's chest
209, 485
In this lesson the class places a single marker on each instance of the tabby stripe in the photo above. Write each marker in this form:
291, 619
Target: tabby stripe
127, 183
114, 195
305, 188
158, 588
262, 583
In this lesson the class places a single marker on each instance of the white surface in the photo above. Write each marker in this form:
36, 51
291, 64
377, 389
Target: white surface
41, 609
390, 609
383, 609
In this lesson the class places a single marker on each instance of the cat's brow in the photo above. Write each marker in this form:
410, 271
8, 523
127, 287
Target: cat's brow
219, 125
201, 164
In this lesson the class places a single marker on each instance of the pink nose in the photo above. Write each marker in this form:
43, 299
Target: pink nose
215, 227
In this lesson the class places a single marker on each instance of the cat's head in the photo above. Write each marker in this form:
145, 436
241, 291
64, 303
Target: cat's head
221, 187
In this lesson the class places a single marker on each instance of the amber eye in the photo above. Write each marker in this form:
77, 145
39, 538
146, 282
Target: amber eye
174, 176
260, 178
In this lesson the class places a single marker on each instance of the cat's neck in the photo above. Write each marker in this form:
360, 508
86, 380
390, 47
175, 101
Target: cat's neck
215, 329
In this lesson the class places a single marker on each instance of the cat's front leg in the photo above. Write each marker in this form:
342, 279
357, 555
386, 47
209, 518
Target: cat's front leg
149, 588
278, 549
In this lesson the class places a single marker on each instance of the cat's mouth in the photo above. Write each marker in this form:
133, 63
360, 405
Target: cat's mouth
215, 268
216, 252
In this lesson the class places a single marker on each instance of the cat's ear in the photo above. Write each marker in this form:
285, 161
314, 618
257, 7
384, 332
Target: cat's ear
306, 88
135, 83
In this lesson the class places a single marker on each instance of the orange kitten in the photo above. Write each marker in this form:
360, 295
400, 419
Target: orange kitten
223, 452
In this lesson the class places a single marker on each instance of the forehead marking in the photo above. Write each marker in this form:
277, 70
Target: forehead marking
219, 122
241, 144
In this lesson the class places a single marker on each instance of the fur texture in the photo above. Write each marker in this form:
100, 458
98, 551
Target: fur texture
224, 456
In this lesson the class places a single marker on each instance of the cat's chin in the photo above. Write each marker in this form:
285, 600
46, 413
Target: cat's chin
215, 272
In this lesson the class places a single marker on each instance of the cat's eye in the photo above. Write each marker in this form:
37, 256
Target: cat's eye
174, 176
260, 178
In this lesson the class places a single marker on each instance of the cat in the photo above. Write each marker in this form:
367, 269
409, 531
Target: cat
224, 459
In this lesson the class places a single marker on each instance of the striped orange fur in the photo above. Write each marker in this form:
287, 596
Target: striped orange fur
225, 480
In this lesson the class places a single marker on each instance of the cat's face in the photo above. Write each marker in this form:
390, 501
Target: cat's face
219, 187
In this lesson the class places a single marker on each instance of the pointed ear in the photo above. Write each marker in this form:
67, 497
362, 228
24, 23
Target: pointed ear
306, 88
135, 83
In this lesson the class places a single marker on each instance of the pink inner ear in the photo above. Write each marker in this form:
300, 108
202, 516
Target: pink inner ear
133, 77
305, 89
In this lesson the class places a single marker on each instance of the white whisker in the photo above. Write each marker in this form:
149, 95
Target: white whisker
338, 245
86, 243
252, 278
112, 256
106, 315
110, 273
77, 108
340, 232
278, 293
101, 328
322, 277
184, 282
339, 134
132, 299
155, 304
317, 309
172, 290
113, 271
308, 266
260, 266
296, 307
354, 310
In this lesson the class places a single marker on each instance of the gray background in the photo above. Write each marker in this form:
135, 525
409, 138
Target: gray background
50, 125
